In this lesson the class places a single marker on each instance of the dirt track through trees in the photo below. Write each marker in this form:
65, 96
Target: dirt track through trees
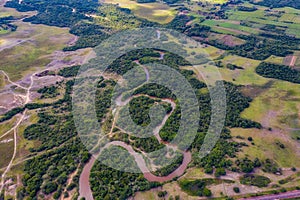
15, 128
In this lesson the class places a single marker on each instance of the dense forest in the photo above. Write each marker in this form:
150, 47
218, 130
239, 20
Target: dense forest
6, 24
259, 48
108, 183
56, 13
278, 3
282, 72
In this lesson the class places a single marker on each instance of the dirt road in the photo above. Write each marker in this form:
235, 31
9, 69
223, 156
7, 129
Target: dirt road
293, 61
15, 128
84, 182
286, 195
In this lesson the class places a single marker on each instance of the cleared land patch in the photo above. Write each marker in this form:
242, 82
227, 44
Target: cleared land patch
27, 48
156, 12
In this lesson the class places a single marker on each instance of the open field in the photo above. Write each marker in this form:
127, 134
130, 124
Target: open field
259, 18
6, 149
2, 80
6, 126
3, 31
230, 25
277, 106
246, 76
157, 12
282, 98
275, 59
28, 48
5, 12
228, 40
265, 146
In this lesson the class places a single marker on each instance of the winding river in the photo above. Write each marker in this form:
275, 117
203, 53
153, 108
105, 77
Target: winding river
84, 184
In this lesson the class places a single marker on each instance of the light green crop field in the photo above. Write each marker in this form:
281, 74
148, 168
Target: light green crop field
290, 19
157, 12
230, 25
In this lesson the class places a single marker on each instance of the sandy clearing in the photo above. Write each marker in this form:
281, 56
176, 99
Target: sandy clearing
293, 61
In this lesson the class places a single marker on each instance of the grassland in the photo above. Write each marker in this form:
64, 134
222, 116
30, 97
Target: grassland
2, 80
6, 149
225, 39
3, 31
265, 147
29, 48
276, 107
5, 12
157, 12
275, 59
6, 126
247, 76
282, 97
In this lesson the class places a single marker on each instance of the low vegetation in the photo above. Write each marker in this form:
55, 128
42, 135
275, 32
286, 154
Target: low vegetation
255, 180
195, 188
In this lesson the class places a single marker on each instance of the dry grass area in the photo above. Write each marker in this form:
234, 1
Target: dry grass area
173, 189
6, 149
7, 125
157, 12
228, 40
29, 48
